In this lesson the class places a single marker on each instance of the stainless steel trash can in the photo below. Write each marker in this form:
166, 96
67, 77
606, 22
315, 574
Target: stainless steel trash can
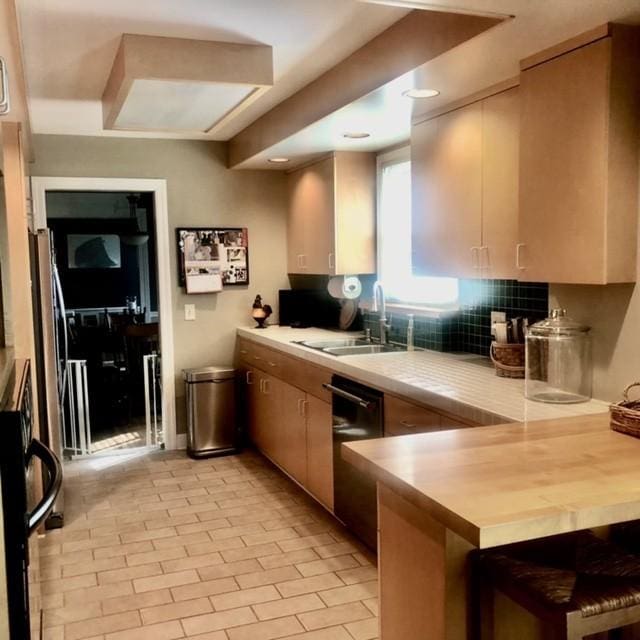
211, 411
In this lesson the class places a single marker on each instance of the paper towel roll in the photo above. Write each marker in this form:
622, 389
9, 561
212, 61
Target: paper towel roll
348, 287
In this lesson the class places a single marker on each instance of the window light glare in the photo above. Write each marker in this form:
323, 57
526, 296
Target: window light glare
417, 94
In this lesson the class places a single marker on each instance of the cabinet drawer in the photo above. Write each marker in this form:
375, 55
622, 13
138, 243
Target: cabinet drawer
456, 423
306, 376
257, 355
402, 418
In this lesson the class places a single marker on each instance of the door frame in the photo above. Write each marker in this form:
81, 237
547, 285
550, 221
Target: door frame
39, 187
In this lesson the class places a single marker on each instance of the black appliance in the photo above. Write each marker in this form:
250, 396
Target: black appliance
357, 415
308, 308
22, 516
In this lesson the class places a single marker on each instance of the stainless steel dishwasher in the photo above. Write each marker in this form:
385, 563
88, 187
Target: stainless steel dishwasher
211, 411
357, 415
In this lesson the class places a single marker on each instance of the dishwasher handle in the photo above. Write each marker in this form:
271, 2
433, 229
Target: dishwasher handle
365, 404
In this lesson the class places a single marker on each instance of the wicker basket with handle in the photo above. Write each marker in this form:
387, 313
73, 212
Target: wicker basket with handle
508, 359
625, 415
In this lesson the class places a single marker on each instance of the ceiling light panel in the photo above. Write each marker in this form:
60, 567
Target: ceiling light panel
176, 84
160, 105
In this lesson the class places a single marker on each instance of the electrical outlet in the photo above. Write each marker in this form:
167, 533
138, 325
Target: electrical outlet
189, 311
497, 316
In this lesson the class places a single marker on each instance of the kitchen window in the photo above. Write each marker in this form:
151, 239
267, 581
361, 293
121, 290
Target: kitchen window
394, 240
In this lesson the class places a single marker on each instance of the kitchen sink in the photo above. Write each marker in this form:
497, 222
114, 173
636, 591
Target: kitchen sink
362, 349
350, 347
329, 344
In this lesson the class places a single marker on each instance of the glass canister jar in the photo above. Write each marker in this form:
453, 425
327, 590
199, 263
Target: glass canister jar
558, 365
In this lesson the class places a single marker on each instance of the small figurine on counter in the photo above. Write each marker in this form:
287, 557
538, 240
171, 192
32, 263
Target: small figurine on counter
260, 312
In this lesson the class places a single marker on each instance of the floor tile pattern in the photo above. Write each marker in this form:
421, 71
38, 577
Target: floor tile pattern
158, 547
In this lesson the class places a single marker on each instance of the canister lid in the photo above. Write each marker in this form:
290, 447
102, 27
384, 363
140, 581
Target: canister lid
204, 374
558, 324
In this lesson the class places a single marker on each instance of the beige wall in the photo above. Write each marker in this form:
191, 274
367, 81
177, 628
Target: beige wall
201, 192
613, 312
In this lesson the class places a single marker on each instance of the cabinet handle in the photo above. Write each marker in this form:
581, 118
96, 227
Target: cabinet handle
249, 377
302, 261
272, 364
243, 352
265, 387
408, 425
261, 381
332, 265
257, 358
475, 259
304, 404
299, 260
485, 250
519, 247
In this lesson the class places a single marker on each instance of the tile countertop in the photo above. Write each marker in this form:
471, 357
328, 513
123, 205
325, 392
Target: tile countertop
463, 385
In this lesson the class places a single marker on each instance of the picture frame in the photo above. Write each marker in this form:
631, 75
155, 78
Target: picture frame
212, 257
93, 251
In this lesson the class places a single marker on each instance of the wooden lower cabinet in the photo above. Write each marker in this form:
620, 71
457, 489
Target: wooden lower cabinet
320, 450
292, 431
292, 428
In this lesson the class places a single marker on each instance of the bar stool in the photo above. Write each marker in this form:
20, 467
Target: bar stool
576, 584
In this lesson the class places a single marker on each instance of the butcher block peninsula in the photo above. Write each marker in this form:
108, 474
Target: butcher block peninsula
442, 495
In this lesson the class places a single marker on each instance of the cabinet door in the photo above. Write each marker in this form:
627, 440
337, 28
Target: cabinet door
563, 161
292, 447
296, 222
446, 166
267, 414
311, 225
253, 412
355, 219
320, 450
319, 253
500, 149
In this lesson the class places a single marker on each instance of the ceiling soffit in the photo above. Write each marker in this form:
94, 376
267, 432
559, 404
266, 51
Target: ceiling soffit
409, 43
177, 84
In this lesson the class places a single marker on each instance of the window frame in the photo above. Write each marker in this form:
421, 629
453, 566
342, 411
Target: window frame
396, 156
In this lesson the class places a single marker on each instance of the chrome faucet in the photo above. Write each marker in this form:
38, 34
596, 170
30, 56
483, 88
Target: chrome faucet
380, 306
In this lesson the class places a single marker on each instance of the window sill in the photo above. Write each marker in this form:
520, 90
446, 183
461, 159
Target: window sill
422, 311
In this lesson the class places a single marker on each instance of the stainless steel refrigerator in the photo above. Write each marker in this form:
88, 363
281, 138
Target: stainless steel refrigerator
52, 352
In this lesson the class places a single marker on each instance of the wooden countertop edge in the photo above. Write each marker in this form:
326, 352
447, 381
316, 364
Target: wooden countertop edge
448, 518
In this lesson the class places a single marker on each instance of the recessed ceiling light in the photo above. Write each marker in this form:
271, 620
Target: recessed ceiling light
421, 93
356, 135
278, 160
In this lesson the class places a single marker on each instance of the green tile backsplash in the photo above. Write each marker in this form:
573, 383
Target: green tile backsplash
469, 330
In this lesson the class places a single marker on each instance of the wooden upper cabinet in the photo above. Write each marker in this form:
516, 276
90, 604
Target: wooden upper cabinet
465, 190
331, 223
579, 161
500, 154
446, 156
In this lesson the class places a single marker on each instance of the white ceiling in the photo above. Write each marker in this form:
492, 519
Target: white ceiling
69, 46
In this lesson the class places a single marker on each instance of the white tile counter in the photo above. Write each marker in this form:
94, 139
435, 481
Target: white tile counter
463, 385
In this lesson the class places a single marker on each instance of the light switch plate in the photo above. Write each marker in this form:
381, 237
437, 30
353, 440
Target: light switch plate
189, 311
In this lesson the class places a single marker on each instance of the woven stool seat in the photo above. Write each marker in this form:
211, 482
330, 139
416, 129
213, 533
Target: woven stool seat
576, 572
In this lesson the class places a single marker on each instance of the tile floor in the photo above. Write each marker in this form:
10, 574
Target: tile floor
158, 547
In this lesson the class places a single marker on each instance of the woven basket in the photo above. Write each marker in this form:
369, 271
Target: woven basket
508, 359
625, 415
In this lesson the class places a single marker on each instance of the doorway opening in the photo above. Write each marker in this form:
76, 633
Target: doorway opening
110, 251
105, 251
